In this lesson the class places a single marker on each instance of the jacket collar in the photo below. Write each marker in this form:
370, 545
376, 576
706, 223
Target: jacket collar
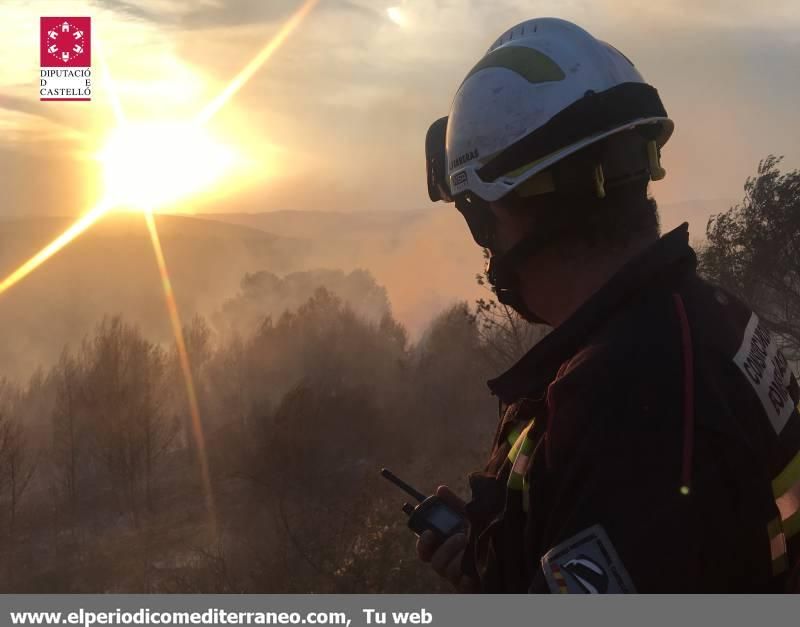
669, 257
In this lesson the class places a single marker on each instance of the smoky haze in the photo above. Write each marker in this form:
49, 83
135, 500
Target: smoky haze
332, 317
322, 345
422, 261
291, 340
221, 264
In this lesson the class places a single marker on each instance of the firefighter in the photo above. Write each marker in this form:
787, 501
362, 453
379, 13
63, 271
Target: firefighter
650, 442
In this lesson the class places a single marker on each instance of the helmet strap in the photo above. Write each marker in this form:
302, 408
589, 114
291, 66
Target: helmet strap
503, 270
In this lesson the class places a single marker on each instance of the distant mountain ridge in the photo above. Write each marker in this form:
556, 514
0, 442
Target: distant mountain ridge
425, 259
111, 269
387, 224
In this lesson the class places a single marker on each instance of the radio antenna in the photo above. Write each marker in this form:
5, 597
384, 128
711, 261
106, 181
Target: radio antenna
388, 474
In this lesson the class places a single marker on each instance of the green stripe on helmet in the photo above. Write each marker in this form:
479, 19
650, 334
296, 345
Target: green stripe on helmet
532, 65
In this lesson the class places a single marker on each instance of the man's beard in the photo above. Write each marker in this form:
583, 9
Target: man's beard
506, 283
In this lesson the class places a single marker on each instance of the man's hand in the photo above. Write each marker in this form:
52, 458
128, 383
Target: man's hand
446, 558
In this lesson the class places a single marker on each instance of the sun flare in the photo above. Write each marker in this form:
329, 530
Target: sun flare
151, 165
397, 15
155, 164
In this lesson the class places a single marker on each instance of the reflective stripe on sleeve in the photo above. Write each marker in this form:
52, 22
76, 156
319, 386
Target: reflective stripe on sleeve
516, 438
786, 489
787, 477
791, 526
520, 456
777, 546
516, 478
512, 440
789, 502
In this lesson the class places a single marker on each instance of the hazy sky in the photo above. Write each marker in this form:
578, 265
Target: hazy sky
336, 119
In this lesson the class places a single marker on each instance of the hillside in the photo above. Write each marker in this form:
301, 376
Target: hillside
425, 259
111, 268
335, 225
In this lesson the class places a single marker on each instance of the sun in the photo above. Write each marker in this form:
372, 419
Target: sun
151, 165
154, 164
397, 15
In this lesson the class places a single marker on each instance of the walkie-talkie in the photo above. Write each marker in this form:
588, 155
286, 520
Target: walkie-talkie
432, 513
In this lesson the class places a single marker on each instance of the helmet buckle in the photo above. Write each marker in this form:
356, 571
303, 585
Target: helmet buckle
599, 181
656, 171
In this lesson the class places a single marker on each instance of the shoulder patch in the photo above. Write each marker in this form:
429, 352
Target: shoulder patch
764, 366
586, 563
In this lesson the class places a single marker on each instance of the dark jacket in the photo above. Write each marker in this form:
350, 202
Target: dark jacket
663, 453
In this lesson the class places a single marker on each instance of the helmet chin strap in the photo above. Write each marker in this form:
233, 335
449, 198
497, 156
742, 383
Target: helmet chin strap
506, 286
503, 274
502, 267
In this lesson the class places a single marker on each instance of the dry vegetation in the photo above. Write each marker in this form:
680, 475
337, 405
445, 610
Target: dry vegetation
100, 478
307, 384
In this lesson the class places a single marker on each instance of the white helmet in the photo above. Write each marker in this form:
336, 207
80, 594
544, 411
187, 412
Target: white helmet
544, 90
